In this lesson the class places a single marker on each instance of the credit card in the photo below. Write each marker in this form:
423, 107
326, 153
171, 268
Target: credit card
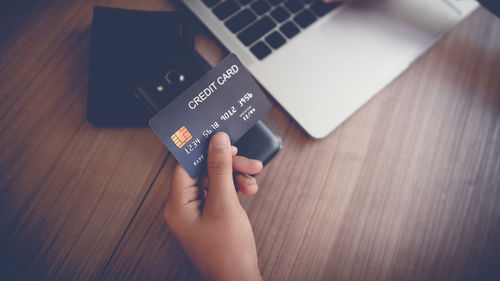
227, 98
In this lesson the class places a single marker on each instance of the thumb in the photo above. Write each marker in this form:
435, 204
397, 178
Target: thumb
220, 170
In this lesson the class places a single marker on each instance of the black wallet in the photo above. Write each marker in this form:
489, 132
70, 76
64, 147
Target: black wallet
127, 46
140, 62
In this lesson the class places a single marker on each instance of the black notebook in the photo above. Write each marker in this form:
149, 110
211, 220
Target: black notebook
126, 47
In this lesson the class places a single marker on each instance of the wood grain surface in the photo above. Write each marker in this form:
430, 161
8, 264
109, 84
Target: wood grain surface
408, 188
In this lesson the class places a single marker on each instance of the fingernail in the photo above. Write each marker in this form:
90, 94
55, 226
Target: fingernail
234, 149
250, 180
221, 139
258, 163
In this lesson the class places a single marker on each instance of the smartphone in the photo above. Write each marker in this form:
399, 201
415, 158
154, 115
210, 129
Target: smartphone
160, 88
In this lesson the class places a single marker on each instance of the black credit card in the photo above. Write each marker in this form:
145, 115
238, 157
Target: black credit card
227, 98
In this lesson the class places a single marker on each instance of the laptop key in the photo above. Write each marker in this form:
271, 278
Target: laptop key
275, 39
210, 3
225, 9
280, 14
321, 9
260, 50
294, 5
305, 18
260, 7
240, 20
275, 2
256, 30
289, 29
244, 2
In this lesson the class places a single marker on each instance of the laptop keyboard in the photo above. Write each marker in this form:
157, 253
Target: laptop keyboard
266, 25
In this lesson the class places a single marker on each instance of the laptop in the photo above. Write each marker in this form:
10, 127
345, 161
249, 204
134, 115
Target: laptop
322, 62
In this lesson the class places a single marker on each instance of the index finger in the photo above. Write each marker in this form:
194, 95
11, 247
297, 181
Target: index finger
180, 181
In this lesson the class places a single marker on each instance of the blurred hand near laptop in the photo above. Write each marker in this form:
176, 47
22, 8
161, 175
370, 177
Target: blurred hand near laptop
492, 5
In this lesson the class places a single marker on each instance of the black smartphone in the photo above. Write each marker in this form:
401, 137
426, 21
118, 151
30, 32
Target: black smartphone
160, 88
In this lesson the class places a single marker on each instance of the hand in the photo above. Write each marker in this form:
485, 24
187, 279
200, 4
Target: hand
210, 224
243, 168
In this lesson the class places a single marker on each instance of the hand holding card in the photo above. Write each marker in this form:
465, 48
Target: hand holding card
195, 217
226, 98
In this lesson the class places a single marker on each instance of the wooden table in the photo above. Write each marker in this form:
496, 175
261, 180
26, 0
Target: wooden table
408, 188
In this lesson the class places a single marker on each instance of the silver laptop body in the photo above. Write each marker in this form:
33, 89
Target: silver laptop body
332, 67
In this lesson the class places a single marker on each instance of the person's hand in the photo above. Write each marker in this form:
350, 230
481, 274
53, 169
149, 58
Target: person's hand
210, 223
